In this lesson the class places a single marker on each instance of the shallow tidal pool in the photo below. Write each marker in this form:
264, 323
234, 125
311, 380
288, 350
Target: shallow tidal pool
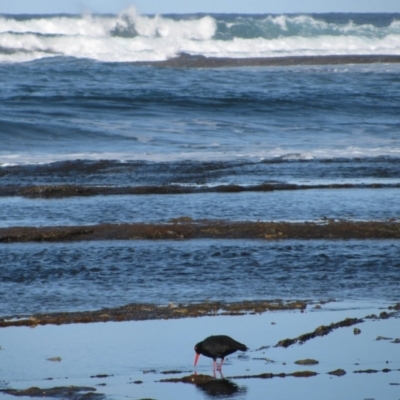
129, 359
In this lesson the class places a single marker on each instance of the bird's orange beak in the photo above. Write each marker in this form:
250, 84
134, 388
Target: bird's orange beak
196, 358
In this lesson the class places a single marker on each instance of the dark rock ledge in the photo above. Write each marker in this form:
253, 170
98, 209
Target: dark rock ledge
68, 190
186, 228
184, 60
140, 312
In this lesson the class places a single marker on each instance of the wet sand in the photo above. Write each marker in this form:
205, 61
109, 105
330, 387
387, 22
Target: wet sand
186, 228
188, 61
154, 359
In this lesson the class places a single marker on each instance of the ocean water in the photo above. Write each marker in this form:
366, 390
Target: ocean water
84, 101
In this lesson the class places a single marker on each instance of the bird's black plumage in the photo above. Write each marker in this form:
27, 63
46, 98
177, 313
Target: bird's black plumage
218, 346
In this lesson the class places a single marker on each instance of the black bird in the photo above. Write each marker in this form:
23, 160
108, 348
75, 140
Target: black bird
218, 346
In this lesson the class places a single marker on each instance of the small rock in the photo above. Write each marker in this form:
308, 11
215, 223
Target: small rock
395, 341
303, 374
356, 331
384, 315
383, 338
307, 361
366, 371
338, 372
173, 371
54, 359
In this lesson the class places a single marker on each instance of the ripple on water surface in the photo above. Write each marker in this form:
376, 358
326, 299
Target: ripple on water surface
295, 205
91, 275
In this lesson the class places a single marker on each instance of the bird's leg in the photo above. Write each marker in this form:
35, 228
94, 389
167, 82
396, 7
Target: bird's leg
219, 367
215, 366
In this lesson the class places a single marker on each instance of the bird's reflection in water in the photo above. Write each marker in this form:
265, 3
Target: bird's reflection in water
222, 388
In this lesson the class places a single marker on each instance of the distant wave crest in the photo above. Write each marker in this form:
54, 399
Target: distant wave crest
130, 37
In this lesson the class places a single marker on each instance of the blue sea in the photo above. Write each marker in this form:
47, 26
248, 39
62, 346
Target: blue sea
157, 100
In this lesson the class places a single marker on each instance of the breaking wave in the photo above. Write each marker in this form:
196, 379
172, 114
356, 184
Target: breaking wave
131, 37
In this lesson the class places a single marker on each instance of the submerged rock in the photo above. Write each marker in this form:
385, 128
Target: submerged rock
54, 359
383, 338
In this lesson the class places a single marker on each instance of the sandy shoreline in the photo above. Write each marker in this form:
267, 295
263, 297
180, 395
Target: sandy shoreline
187, 61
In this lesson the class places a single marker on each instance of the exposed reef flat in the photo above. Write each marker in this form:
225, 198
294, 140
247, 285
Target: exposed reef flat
141, 312
186, 228
188, 61
63, 191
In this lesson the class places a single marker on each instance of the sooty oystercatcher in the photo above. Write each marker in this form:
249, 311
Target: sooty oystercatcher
218, 346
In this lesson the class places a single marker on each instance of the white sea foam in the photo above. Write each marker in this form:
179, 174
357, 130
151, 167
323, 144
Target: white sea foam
207, 154
130, 37
116, 49
102, 26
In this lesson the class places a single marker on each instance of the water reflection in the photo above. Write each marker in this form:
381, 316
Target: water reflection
222, 388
